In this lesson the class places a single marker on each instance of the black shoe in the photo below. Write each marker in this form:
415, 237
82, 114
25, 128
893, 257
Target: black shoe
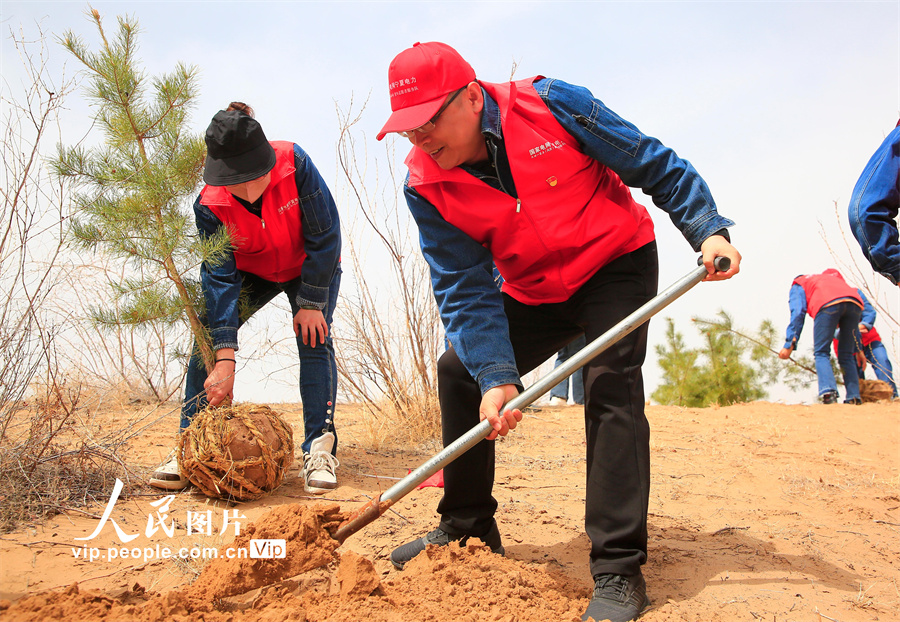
829, 398
617, 598
406, 552
854, 400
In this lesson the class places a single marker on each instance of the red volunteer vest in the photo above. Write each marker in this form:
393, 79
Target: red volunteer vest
573, 215
867, 338
272, 246
820, 289
870, 336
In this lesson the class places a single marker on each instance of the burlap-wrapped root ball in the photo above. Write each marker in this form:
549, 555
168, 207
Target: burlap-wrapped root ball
875, 390
237, 452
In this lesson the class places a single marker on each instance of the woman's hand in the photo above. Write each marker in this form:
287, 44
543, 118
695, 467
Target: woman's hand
310, 324
219, 384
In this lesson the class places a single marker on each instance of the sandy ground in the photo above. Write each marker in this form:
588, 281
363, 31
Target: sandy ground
758, 511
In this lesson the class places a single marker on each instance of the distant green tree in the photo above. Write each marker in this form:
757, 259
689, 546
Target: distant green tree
730, 367
133, 187
680, 370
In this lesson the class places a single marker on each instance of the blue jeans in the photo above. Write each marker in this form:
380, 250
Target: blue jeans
562, 389
846, 316
318, 370
877, 356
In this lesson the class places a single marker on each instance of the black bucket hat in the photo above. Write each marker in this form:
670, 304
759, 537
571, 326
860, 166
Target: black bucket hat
236, 150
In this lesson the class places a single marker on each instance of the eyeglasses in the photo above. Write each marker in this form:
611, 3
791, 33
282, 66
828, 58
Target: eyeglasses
429, 126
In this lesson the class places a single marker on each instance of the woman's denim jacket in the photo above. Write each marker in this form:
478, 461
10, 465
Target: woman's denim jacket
321, 241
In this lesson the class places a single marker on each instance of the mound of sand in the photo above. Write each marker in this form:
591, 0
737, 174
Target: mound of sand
452, 584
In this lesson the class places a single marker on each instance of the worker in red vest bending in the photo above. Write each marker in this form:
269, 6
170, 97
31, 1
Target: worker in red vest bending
285, 236
833, 305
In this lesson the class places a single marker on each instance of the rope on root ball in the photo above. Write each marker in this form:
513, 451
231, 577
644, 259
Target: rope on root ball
237, 452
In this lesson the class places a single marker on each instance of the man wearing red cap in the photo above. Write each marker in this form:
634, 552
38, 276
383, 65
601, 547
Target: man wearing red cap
534, 176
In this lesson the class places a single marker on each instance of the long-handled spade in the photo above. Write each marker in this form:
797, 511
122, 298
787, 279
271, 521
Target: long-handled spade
380, 504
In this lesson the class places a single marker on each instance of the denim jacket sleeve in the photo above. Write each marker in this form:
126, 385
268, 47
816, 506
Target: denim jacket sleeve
797, 304
221, 283
641, 161
469, 300
868, 314
321, 232
874, 207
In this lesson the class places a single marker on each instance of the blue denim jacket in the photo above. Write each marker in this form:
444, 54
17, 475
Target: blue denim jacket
868, 312
797, 305
321, 242
874, 206
471, 306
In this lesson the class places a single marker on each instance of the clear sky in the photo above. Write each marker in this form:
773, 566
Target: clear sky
779, 105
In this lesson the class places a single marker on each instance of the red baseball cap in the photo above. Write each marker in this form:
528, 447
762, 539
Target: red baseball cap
419, 79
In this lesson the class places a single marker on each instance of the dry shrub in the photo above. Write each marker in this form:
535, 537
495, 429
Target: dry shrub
387, 426
46, 467
389, 334
49, 462
144, 362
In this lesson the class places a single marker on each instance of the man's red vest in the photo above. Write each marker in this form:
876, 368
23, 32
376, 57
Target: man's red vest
271, 246
820, 289
573, 215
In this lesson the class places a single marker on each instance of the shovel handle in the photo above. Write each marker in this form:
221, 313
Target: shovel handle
451, 452
617, 332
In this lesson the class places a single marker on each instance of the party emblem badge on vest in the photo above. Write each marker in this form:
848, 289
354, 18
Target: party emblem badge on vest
552, 180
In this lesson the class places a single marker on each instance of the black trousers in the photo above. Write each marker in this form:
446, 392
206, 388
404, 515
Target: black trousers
617, 431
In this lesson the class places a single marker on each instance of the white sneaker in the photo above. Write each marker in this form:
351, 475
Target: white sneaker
558, 401
167, 476
319, 465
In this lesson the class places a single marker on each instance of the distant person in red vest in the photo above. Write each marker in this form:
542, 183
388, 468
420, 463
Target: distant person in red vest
534, 176
833, 305
286, 237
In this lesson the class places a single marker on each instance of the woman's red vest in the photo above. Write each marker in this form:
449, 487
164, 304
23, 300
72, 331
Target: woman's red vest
573, 215
820, 289
271, 246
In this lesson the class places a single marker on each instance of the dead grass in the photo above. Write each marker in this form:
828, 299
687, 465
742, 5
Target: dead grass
388, 425
48, 464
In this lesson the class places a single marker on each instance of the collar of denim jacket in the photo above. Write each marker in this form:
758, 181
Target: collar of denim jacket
490, 117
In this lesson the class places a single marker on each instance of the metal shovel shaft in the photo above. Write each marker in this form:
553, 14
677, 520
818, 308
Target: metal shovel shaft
379, 505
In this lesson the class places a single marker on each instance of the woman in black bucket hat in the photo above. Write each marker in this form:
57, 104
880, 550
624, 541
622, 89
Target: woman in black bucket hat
285, 235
